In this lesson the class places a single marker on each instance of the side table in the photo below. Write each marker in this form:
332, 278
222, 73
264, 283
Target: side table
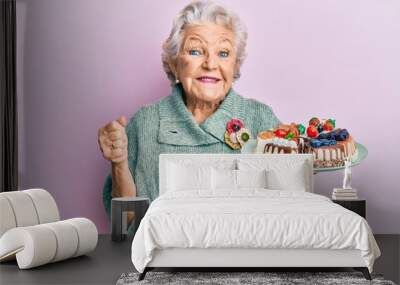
119, 218
358, 206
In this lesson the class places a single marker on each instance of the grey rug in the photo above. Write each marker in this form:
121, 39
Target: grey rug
269, 278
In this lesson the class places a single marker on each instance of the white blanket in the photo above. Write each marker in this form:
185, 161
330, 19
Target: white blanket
251, 218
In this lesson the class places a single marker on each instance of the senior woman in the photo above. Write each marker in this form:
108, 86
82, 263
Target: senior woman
202, 57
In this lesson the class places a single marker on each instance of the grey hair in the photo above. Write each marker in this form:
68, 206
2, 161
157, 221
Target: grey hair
200, 12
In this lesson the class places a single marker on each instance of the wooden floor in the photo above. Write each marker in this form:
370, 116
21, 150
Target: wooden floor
110, 260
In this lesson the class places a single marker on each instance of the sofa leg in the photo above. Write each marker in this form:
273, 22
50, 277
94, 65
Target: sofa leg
364, 271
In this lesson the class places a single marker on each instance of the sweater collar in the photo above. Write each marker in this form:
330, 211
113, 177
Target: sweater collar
178, 126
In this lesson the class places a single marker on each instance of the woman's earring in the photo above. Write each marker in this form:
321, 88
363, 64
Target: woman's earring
176, 79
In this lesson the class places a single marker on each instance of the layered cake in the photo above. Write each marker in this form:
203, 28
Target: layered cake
283, 139
329, 145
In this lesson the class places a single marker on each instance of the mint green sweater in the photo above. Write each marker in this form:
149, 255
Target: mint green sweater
168, 127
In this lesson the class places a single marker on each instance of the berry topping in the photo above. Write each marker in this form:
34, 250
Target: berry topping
345, 132
314, 122
280, 133
315, 143
312, 131
328, 126
328, 135
324, 142
320, 128
341, 135
333, 122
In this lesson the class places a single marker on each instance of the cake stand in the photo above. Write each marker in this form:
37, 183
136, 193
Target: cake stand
250, 147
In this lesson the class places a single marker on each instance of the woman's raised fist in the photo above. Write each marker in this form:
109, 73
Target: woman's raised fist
113, 141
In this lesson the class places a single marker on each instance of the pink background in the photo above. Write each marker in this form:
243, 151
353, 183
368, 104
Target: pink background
84, 63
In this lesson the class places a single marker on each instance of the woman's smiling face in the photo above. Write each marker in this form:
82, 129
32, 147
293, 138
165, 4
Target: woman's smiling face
206, 62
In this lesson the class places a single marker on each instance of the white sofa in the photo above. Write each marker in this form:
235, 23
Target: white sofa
31, 231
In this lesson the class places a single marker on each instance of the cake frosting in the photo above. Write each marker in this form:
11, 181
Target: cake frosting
276, 145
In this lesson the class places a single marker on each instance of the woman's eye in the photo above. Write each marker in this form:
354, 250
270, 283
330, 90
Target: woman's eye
223, 54
194, 52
